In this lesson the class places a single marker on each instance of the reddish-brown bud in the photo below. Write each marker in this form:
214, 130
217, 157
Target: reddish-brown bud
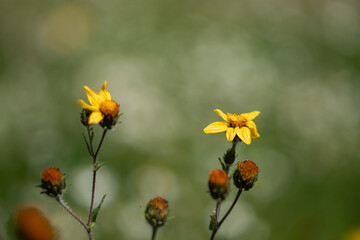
218, 184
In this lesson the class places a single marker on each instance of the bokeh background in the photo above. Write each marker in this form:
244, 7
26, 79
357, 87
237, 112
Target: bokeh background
169, 64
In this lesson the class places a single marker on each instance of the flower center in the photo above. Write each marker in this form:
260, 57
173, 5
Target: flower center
236, 120
248, 169
109, 107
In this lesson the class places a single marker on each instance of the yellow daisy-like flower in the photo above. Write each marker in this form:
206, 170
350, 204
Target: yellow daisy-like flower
101, 104
235, 125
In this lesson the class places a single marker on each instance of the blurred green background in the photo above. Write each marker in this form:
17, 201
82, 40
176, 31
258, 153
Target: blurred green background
169, 64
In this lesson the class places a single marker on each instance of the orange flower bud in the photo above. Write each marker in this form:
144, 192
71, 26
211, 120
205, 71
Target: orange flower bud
156, 212
246, 175
52, 182
218, 184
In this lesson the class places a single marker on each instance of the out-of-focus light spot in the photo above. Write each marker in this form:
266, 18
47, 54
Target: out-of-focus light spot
353, 234
131, 223
341, 25
81, 180
67, 28
67, 226
32, 224
153, 181
239, 221
43, 147
274, 176
242, 221
308, 226
323, 118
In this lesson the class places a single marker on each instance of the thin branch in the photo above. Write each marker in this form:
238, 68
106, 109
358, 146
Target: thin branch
94, 176
217, 211
67, 208
231, 207
218, 224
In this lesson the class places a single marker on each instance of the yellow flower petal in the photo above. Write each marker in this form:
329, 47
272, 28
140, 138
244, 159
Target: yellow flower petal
216, 127
230, 134
221, 114
104, 92
95, 117
94, 98
87, 106
250, 116
244, 134
254, 132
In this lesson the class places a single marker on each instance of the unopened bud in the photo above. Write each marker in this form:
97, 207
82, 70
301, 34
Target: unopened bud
156, 212
52, 182
218, 184
230, 155
246, 175
109, 121
84, 117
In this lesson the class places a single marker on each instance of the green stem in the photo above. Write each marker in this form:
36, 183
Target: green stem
218, 224
153, 236
231, 207
77, 218
94, 176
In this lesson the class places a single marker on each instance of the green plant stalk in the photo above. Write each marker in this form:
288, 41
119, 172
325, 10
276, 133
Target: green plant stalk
94, 155
154, 231
218, 224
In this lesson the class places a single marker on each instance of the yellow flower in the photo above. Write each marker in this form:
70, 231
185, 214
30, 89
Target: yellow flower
101, 104
240, 125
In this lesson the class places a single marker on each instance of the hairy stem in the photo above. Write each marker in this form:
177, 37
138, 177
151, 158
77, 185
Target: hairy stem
67, 208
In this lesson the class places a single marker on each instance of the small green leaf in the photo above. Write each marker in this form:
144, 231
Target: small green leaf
212, 224
96, 212
98, 165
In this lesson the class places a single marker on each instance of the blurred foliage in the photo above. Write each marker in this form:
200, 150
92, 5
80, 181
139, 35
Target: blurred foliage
169, 64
